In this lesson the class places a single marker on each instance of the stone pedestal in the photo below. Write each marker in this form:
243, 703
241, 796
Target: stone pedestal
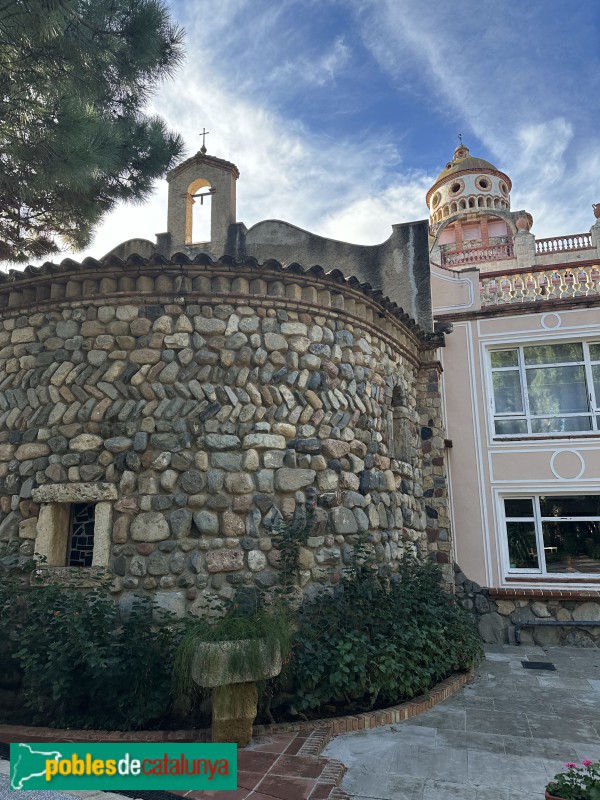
524, 247
595, 231
226, 668
233, 712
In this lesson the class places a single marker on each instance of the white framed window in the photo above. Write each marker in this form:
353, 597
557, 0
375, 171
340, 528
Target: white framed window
554, 535
542, 389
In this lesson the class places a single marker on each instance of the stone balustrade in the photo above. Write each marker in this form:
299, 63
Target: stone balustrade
562, 244
458, 258
520, 286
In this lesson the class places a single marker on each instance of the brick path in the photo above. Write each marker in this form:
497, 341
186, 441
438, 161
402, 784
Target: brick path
283, 767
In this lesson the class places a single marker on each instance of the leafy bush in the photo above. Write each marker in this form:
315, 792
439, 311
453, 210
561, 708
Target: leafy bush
378, 641
82, 665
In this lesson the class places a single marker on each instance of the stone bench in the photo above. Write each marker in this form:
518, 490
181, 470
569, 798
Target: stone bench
555, 623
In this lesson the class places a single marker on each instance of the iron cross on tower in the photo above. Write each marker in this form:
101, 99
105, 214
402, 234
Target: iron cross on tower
204, 134
210, 191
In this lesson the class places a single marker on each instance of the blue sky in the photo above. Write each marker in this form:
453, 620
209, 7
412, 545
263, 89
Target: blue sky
340, 113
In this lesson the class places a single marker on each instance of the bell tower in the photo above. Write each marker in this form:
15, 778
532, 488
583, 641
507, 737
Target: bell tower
201, 205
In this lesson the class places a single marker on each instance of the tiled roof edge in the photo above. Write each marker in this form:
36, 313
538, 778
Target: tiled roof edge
49, 269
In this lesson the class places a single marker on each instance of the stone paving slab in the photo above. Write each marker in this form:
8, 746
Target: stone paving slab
502, 737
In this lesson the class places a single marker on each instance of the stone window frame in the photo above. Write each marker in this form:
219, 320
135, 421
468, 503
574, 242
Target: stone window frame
53, 523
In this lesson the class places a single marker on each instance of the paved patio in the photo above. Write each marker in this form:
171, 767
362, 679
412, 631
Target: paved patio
500, 738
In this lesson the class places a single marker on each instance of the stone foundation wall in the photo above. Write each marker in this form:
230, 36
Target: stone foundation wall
497, 612
204, 406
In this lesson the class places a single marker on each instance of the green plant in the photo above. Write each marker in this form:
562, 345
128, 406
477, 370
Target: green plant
378, 641
75, 77
264, 635
577, 783
287, 537
81, 664
521, 548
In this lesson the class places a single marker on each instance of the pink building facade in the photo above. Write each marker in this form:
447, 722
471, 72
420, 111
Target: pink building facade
521, 397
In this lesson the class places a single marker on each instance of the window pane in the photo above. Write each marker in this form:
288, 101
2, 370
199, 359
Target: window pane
522, 548
596, 379
510, 426
582, 505
507, 392
505, 358
553, 353
555, 390
595, 351
572, 546
518, 507
561, 424
81, 541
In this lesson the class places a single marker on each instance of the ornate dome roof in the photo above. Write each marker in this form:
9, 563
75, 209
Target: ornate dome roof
464, 162
460, 163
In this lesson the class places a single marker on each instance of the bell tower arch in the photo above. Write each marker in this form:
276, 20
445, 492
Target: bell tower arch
207, 185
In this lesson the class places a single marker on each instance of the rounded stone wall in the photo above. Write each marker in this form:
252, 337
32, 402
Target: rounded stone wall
198, 404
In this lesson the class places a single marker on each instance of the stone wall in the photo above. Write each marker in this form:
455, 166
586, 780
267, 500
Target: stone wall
497, 610
435, 482
199, 404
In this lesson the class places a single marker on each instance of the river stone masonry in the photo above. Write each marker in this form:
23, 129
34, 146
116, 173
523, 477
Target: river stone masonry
200, 403
497, 611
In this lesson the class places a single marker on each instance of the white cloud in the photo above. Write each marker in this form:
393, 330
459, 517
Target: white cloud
366, 220
286, 171
502, 81
493, 81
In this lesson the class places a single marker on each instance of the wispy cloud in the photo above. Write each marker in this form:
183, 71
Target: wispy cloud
503, 82
327, 107
288, 171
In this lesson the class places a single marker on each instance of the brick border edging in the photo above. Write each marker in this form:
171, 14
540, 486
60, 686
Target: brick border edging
328, 728
516, 593
320, 731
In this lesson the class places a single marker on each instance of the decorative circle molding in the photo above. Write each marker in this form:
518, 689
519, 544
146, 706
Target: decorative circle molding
564, 473
551, 321
456, 187
483, 183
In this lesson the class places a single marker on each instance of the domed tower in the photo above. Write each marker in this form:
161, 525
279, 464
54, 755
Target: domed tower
469, 212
